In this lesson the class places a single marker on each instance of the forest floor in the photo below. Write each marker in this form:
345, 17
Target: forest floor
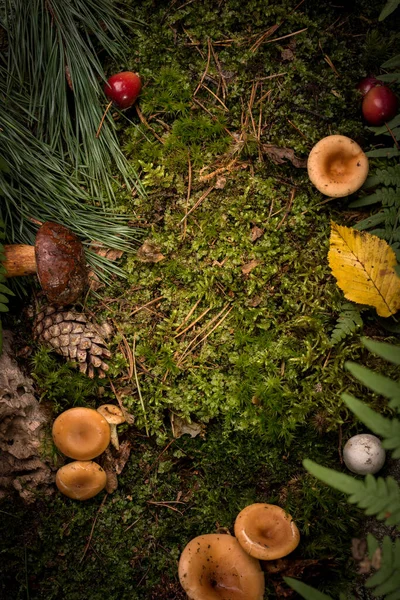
226, 314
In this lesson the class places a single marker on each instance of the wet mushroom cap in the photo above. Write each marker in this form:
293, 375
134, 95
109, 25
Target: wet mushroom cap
266, 531
61, 263
81, 433
215, 567
337, 166
81, 480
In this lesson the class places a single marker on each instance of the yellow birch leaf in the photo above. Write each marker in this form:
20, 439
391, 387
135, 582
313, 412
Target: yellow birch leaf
364, 267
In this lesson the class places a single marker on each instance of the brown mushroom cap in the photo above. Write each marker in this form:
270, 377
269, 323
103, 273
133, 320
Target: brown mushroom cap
215, 567
112, 414
337, 166
81, 433
81, 479
61, 263
266, 531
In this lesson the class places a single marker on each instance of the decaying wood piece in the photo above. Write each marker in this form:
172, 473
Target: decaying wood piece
22, 422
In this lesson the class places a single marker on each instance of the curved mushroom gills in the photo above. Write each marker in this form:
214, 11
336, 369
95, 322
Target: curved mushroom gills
81, 433
81, 480
337, 166
215, 567
266, 531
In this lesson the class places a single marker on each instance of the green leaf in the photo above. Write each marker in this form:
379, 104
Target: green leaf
395, 122
387, 351
389, 77
371, 221
305, 591
3, 308
395, 60
387, 10
6, 290
383, 152
4, 298
349, 320
373, 545
376, 382
340, 481
388, 429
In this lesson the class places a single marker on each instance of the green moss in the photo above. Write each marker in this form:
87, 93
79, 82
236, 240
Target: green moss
266, 382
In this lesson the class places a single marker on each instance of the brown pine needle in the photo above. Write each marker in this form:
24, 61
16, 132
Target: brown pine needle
199, 201
216, 97
207, 67
202, 330
283, 37
109, 105
145, 305
189, 192
212, 330
193, 323
93, 526
138, 386
191, 311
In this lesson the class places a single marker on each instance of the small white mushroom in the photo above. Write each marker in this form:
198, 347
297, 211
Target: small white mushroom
364, 454
114, 416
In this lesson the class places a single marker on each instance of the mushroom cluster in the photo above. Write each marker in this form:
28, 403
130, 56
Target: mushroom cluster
83, 434
223, 567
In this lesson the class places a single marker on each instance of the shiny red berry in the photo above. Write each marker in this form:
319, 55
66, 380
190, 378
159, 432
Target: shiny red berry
380, 104
123, 88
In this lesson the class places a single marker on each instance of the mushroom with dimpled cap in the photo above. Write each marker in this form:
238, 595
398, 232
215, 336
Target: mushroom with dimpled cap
114, 416
57, 258
81, 433
337, 166
266, 531
81, 479
215, 567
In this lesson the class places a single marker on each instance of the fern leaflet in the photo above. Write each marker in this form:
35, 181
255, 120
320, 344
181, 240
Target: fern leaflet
348, 322
386, 581
377, 496
377, 383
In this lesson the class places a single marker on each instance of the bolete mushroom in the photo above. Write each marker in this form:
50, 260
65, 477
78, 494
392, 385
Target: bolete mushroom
81, 433
81, 479
337, 166
57, 258
266, 531
215, 567
114, 416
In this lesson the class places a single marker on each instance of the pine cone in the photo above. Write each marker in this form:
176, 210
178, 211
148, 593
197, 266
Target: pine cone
70, 334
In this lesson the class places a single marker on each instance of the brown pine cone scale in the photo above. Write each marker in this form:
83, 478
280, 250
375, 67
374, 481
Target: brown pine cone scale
70, 334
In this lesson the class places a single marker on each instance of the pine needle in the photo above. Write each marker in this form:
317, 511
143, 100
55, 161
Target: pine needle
137, 384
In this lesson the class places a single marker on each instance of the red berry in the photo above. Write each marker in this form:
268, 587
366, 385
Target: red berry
123, 88
367, 84
379, 105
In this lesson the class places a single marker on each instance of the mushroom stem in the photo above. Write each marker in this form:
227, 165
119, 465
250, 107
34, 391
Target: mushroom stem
114, 436
20, 260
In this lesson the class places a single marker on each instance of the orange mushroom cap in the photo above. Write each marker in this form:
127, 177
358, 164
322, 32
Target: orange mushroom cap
81, 433
215, 567
337, 166
266, 531
81, 479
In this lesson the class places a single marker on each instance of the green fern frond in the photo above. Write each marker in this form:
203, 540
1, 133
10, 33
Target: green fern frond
386, 580
383, 129
377, 496
384, 350
388, 196
388, 429
349, 320
389, 7
388, 176
305, 591
377, 383
384, 152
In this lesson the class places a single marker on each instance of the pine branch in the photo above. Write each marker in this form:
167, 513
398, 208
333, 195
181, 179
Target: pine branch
53, 63
349, 320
